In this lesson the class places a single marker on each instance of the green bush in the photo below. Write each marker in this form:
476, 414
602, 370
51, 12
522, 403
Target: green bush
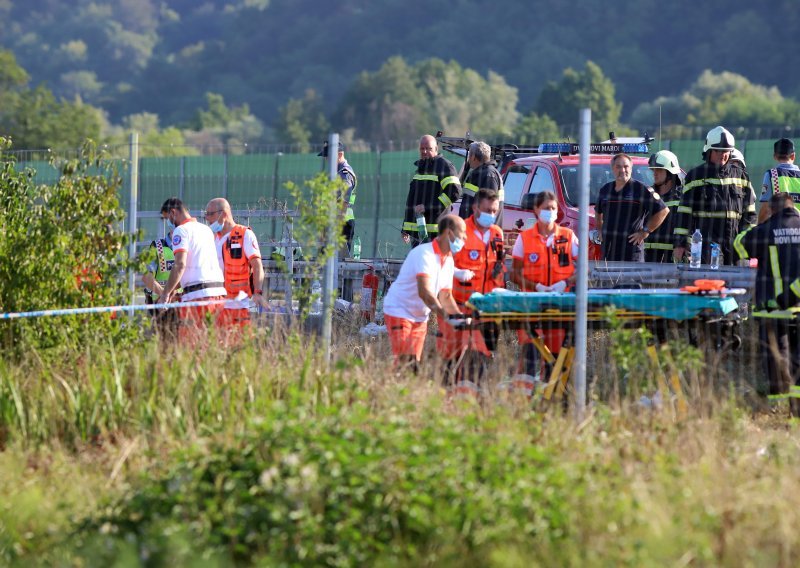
61, 246
343, 486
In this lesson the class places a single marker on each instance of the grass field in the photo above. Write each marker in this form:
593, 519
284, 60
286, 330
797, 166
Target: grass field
140, 456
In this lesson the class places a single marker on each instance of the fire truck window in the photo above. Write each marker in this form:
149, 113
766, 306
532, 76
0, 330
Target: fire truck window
542, 181
514, 184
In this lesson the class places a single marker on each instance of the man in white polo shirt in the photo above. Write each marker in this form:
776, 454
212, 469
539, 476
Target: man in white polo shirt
425, 284
196, 269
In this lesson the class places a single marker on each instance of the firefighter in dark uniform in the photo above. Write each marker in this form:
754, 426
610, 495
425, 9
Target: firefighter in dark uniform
776, 245
717, 199
434, 188
482, 175
165, 321
667, 182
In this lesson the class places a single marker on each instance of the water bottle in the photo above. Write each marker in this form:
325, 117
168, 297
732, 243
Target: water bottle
714, 256
422, 227
316, 295
697, 249
357, 248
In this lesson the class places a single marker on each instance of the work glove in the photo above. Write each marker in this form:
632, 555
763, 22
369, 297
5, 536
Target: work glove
559, 287
594, 236
460, 322
464, 274
543, 288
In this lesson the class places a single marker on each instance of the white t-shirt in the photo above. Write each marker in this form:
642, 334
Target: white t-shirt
197, 241
250, 246
402, 300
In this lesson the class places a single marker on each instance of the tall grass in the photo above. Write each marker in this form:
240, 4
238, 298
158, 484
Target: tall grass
268, 455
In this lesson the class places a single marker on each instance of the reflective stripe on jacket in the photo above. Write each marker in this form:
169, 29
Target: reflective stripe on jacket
435, 186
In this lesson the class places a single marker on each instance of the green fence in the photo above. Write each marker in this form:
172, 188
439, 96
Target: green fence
255, 182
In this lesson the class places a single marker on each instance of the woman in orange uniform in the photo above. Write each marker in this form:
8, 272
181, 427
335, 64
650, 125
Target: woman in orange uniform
543, 261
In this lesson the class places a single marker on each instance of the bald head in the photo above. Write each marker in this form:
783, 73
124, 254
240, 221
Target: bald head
427, 147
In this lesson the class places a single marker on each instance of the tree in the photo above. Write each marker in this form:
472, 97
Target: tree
720, 98
399, 101
232, 125
581, 89
535, 129
302, 121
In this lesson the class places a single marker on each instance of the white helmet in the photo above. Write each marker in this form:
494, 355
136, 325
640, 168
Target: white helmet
719, 139
665, 160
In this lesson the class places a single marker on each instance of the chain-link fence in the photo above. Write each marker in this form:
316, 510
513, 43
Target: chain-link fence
253, 178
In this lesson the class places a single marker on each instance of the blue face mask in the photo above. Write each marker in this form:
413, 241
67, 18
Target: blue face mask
456, 245
485, 219
547, 215
216, 226
170, 226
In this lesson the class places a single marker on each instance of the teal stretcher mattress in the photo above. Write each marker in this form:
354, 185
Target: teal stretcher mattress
657, 303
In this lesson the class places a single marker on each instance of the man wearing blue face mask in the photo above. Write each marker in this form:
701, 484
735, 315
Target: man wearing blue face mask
424, 284
240, 259
478, 268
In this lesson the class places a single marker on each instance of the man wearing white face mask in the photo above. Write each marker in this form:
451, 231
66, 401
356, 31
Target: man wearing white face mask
424, 284
240, 259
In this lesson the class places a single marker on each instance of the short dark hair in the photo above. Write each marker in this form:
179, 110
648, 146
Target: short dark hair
544, 197
172, 203
485, 193
780, 200
447, 222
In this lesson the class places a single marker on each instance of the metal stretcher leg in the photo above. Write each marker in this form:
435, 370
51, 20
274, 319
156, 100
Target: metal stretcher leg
674, 381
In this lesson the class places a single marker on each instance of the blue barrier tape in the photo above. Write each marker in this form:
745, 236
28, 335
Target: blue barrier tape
109, 309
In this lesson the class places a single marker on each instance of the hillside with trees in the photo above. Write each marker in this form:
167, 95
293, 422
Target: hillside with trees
293, 69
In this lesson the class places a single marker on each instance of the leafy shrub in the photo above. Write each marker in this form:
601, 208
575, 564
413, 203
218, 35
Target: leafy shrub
61, 246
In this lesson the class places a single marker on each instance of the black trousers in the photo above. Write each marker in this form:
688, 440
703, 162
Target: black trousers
780, 352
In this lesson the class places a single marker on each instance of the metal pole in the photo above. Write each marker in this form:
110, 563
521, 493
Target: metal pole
333, 254
582, 287
133, 211
376, 221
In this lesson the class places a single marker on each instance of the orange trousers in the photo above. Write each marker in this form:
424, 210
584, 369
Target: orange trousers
406, 337
193, 321
452, 342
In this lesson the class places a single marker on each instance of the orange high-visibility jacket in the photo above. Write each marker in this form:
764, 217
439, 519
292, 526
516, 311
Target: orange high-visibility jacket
238, 274
547, 264
480, 258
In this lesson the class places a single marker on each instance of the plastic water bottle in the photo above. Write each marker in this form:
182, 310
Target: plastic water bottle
316, 294
357, 248
697, 249
714, 256
422, 227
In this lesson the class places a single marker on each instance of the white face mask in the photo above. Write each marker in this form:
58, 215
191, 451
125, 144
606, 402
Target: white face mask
547, 216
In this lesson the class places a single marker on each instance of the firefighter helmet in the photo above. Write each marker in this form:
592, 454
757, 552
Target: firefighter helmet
665, 160
719, 139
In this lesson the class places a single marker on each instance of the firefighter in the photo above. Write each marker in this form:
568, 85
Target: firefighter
785, 176
543, 261
717, 199
478, 268
482, 175
776, 245
434, 188
667, 182
239, 257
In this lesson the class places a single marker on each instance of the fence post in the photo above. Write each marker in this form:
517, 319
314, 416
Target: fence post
333, 256
376, 220
582, 288
133, 211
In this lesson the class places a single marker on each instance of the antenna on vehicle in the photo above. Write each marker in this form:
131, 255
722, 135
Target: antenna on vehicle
659, 127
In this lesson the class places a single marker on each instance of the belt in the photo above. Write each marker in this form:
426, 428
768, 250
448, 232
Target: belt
202, 286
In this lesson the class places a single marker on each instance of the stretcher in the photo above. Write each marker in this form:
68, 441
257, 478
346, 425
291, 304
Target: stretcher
529, 310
